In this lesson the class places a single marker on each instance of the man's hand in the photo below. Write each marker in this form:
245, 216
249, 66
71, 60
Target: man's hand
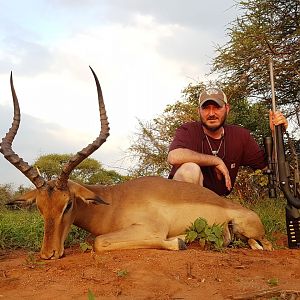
222, 171
277, 118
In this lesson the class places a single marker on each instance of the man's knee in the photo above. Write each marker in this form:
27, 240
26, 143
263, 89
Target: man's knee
189, 172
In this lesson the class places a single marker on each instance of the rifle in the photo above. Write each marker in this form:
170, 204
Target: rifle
279, 175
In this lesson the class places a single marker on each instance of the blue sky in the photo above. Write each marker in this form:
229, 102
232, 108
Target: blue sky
144, 53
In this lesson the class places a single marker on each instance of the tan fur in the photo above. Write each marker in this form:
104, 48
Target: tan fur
148, 212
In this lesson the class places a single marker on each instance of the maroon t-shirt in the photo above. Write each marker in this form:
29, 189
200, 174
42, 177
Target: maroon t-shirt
238, 148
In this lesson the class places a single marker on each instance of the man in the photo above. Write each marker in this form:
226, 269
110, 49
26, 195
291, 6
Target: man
210, 152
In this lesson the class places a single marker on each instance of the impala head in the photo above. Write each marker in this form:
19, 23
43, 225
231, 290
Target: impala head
55, 199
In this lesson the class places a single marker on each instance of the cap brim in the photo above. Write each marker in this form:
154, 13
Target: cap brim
219, 102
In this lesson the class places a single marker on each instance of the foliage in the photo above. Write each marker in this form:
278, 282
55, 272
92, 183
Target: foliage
89, 171
122, 273
91, 295
253, 116
6, 194
273, 281
25, 229
84, 246
32, 261
209, 237
20, 229
250, 186
264, 28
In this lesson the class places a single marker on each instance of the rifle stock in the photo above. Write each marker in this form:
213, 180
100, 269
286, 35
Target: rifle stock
279, 172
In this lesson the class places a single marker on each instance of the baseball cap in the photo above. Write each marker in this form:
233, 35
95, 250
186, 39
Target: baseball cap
213, 94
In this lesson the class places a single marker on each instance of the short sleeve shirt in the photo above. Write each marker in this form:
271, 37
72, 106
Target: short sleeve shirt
238, 148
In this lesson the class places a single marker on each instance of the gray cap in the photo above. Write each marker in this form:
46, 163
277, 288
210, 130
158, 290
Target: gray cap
213, 94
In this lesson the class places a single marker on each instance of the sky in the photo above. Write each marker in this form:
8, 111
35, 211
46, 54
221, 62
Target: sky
143, 51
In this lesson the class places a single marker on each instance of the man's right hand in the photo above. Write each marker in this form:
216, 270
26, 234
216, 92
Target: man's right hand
222, 171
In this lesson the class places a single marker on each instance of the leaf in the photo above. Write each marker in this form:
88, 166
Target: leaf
212, 238
122, 273
219, 243
217, 230
273, 281
91, 295
191, 236
200, 224
202, 243
207, 230
85, 246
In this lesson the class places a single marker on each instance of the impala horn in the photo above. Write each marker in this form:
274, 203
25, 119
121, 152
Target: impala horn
87, 151
6, 145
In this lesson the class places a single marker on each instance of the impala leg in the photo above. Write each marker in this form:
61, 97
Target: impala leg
136, 237
264, 244
254, 245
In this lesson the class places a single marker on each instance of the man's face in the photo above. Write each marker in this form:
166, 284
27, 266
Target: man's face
212, 115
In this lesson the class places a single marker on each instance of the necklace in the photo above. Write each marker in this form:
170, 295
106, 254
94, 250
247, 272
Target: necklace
214, 152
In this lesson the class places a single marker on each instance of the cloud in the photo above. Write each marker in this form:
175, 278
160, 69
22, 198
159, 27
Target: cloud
19, 53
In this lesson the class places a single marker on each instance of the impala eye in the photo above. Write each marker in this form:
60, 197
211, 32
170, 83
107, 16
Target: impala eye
68, 207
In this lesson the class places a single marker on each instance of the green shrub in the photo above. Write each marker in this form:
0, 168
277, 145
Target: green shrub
209, 237
6, 194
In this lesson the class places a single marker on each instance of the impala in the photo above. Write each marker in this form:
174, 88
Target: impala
148, 212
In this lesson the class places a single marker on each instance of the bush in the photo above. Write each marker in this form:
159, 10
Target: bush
209, 237
6, 194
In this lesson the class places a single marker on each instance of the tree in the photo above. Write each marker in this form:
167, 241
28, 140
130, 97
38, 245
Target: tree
266, 28
6, 194
89, 171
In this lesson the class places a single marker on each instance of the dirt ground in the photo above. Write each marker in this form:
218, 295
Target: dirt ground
152, 274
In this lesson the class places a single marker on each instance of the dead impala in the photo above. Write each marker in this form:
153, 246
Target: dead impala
148, 212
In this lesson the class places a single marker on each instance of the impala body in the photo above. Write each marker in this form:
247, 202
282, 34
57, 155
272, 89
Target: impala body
148, 212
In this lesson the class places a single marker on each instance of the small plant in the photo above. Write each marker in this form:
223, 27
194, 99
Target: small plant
273, 281
32, 261
91, 295
210, 237
237, 243
85, 247
122, 273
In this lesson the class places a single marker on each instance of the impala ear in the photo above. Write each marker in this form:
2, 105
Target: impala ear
94, 200
85, 194
23, 200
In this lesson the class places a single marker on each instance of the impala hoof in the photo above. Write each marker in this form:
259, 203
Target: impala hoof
181, 245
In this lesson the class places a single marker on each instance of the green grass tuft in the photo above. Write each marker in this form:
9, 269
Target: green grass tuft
20, 229
272, 214
24, 229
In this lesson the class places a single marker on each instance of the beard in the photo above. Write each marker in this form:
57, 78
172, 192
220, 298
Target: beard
213, 127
